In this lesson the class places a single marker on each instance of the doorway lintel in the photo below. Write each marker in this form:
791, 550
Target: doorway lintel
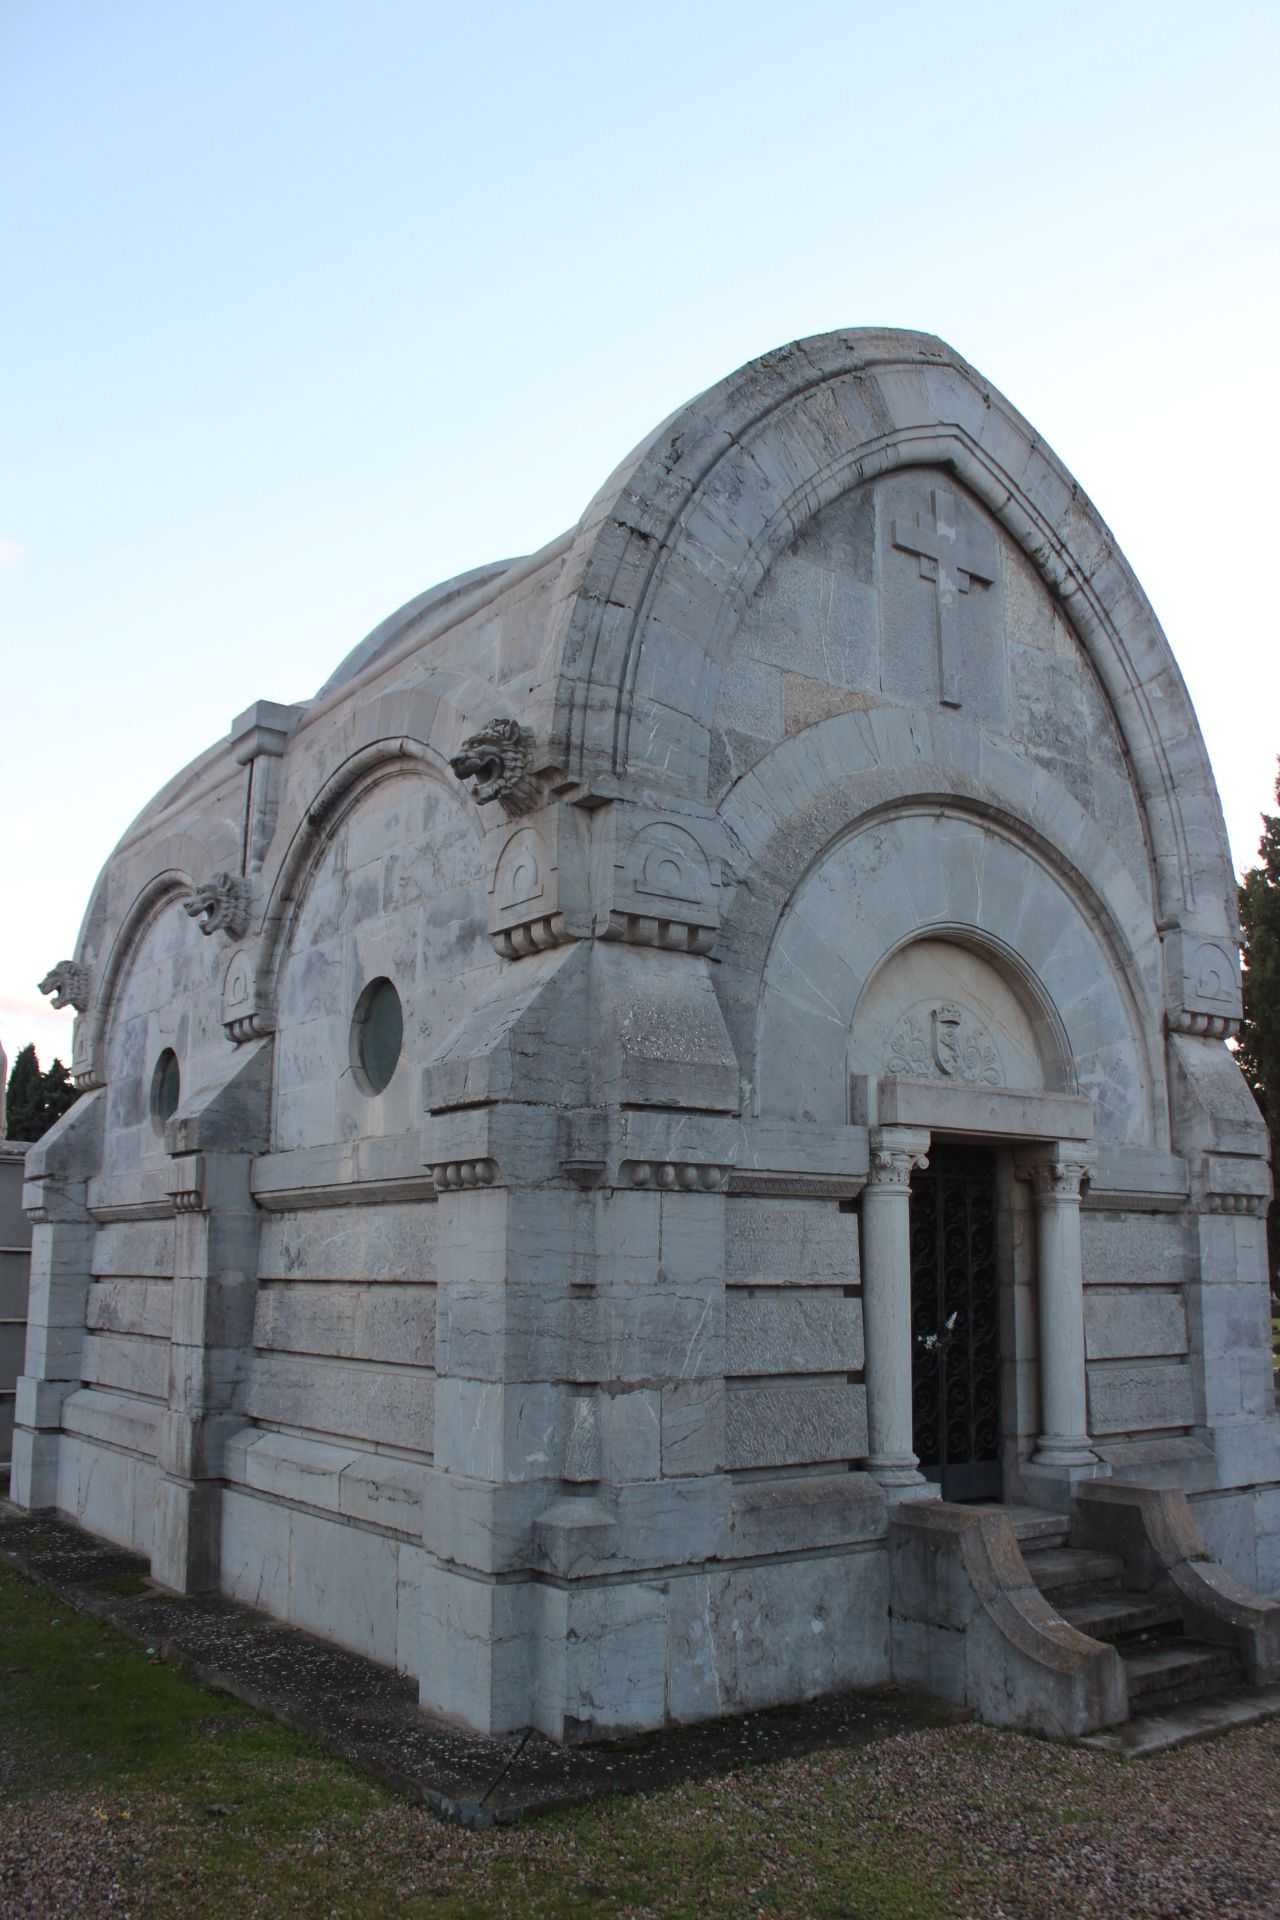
941, 1106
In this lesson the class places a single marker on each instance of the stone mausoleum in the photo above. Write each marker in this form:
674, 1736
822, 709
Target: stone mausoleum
665, 1144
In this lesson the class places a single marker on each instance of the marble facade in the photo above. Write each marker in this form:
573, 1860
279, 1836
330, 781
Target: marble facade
829, 792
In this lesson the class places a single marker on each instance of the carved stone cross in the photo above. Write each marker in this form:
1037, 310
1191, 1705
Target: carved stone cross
952, 564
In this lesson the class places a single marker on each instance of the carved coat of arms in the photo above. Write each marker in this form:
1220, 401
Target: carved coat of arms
947, 1042
946, 1039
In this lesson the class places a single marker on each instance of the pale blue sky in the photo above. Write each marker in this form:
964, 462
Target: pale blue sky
308, 305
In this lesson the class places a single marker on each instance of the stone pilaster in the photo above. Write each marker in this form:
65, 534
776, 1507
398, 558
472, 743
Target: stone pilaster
55, 1198
212, 1142
214, 1291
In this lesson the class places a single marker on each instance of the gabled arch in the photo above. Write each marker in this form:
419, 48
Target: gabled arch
398, 732
672, 548
176, 865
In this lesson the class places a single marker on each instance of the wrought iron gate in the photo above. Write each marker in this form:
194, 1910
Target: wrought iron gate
955, 1323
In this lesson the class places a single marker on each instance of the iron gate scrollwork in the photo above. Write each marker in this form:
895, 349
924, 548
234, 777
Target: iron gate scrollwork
955, 1322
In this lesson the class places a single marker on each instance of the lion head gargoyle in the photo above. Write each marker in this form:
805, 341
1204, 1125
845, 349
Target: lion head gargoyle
220, 904
497, 760
69, 984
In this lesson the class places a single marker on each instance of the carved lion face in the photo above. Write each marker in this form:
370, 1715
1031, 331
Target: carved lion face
495, 758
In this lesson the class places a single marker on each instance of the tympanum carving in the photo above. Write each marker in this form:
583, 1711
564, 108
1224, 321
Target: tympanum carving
946, 1043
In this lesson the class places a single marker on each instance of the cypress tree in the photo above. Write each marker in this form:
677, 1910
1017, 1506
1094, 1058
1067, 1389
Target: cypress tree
25, 1113
36, 1099
1258, 1052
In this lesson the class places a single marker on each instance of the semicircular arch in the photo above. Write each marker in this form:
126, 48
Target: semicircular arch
940, 871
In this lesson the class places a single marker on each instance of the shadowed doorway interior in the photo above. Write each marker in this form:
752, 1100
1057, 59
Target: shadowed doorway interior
955, 1322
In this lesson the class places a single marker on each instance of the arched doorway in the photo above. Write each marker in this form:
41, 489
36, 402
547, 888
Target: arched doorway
958, 1060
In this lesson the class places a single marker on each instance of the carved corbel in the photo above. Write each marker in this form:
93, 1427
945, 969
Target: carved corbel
1203, 975
245, 1015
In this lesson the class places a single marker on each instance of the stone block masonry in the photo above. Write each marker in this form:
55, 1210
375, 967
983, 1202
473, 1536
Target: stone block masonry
689, 1045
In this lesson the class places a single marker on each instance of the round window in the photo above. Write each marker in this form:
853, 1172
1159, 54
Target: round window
166, 1088
377, 1032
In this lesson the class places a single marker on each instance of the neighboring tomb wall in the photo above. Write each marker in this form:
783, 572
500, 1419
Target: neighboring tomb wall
15, 1278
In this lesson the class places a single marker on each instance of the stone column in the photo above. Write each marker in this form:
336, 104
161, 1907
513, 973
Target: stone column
886, 1301
1064, 1416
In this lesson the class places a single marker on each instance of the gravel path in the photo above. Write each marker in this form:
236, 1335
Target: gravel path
1021, 1830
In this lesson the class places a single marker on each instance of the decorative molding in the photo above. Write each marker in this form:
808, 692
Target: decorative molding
69, 983
687, 1176
111, 1212
1122, 1200
89, 1081
244, 1016
186, 1184
1253, 1204
583, 1172
949, 1043
498, 761
640, 930
355, 1193
1211, 1026
794, 1186
454, 1174
249, 1026
534, 936
220, 904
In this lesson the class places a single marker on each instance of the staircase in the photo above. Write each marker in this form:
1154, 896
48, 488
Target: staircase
1165, 1667
1114, 1626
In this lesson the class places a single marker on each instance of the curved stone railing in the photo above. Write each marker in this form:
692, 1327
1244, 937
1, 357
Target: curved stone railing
969, 1623
1152, 1531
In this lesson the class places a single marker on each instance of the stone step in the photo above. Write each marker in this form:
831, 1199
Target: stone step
1147, 1733
1105, 1614
1178, 1671
1036, 1528
1061, 1570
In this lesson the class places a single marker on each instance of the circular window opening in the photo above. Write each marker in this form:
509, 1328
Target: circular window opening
166, 1088
377, 1032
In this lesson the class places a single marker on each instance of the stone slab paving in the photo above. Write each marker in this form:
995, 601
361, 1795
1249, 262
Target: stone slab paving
370, 1715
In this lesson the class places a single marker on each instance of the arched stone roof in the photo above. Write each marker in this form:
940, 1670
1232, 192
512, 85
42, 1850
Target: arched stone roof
672, 548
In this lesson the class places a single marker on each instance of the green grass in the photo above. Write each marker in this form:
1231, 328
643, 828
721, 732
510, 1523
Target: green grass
197, 1805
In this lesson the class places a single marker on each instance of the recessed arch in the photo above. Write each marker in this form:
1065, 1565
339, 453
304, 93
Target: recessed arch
401, 731
935, 872
1055, 1067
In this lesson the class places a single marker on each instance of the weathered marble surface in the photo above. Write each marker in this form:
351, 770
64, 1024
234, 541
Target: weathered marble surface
858, 797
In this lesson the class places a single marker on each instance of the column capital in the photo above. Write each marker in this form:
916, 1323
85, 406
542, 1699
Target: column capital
896, 1152
1059, 1172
